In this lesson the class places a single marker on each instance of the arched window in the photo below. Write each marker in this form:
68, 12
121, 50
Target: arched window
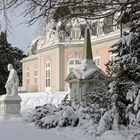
48, 74
73, 63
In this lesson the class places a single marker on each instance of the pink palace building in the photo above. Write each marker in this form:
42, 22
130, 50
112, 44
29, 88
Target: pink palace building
52, 56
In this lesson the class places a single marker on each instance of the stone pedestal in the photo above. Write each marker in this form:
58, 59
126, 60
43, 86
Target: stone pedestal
10, 104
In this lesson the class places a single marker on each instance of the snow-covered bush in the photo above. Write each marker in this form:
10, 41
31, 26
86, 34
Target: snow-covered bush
63, 117
73, 113
110, 118
100, 101
105, 123
133, 109
49, 116
41, 111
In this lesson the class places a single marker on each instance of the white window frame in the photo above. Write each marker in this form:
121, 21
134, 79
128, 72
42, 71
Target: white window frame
100, 28
47, 68
75, 33
27, 78
36, 76
74, 65
95, 60
115, 28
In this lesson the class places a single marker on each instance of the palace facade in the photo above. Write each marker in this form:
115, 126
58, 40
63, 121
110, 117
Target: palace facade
51, 60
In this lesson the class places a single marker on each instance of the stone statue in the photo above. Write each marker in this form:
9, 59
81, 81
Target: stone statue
12, 82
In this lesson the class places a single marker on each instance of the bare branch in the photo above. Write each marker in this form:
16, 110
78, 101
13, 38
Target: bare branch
68, 9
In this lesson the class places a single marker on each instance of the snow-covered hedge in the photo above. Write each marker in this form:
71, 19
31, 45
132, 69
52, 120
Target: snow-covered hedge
49, 116
41, 111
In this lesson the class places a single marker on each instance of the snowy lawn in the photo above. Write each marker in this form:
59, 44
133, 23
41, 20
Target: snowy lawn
31, 100
18, 129
15, 129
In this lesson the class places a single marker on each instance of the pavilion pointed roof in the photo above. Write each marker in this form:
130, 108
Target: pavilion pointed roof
87, 46
87, 68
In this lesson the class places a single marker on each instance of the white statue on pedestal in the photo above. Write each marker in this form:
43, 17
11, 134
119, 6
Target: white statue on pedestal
12, 82
10, 103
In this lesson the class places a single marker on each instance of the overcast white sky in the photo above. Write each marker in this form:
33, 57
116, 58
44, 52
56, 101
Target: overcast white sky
21, 35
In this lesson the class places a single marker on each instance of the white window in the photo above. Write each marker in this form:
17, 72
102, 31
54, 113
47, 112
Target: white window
73, 63
48, 74
75, 33
100, 27
35, 77
115, 28
97, 61
27, 76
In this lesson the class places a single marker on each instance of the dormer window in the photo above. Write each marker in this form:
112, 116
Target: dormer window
100, 27
75, 30
75, 33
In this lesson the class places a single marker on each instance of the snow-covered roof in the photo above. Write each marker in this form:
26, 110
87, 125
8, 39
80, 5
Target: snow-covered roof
86, 69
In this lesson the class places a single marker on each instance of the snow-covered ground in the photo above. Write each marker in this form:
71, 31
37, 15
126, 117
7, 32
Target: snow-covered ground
17, 129
31, 100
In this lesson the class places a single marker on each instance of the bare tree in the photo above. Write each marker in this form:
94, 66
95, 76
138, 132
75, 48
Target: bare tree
62, 10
